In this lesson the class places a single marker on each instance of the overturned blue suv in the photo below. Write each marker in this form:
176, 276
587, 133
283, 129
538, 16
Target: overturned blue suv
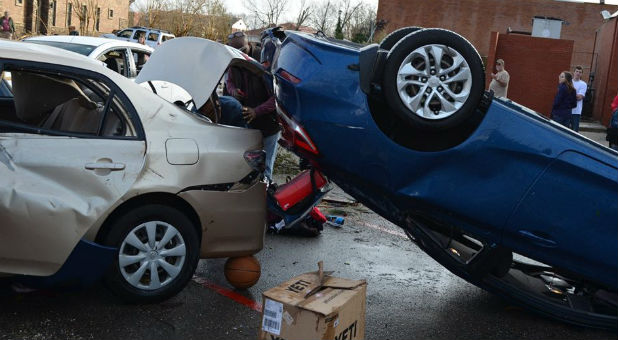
498, 194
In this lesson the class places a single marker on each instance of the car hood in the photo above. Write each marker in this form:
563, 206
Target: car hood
195, 64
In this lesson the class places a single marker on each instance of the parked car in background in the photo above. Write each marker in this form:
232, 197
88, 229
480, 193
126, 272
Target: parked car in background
501, 196
123, 57
154, 37
99, 176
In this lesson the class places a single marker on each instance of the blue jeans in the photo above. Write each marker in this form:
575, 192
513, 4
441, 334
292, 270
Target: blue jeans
575, 122
270, 147
231, 112
565, 121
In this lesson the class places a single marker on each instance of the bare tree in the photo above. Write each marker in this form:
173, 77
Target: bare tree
86, 11
218, 23
324, 16
347, 11
184, 16
266, 12
303, 13
361, 24
150, 11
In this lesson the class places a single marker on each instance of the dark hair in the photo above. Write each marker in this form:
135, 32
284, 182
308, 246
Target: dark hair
578, 67
569, 81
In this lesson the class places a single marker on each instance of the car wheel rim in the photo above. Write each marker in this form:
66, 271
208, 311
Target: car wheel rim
434, 81
152, 255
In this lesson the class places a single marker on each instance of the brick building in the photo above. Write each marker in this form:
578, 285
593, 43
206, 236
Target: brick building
55, 16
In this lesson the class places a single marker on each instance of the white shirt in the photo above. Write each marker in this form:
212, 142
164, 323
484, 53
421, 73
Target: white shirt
580, 88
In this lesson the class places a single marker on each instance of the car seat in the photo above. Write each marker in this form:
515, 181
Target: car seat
56, 104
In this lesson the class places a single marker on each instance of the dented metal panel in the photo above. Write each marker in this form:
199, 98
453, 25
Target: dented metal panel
49, 197
233, 223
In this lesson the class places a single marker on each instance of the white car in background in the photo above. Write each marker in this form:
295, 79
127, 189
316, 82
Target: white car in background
153, 36
123, 57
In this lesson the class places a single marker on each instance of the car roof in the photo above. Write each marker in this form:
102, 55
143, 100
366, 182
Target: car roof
45, 54
93, 41
147, 28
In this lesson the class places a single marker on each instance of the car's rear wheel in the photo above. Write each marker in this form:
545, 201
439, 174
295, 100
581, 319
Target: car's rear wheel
536, 286
158, 250
393, 38
434, 80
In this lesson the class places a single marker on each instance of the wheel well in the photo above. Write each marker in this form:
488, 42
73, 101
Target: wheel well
151, 198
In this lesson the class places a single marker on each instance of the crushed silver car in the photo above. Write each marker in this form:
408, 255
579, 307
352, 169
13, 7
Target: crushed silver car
99, 176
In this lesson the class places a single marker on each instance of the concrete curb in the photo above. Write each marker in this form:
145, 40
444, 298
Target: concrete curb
591, 127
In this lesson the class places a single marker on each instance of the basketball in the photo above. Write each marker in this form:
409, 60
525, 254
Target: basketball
242, 272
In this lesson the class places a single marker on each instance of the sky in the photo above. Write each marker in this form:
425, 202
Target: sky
237, 7
293, 6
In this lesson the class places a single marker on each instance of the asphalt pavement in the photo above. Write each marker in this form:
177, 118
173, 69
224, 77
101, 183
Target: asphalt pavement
409, 295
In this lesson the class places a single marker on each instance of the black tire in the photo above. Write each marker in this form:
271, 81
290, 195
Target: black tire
393, 38
165, 216
434, 94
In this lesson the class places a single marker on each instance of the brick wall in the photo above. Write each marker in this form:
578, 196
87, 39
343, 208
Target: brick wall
17, 10
524, 57
475, 19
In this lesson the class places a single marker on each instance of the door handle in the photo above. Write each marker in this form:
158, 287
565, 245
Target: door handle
105, 166
538, 240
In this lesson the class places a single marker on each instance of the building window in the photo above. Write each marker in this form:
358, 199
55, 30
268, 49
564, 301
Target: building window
69, 13
97, 19
85, 11
52, 4
110, 13
19, 2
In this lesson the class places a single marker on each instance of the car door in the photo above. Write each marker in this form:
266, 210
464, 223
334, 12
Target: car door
137, 34
152, 39
125, 34
117, 59
137, 58
568, 217
73, 149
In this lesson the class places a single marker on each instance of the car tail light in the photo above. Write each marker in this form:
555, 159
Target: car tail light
288, 76
256, 159
295, 134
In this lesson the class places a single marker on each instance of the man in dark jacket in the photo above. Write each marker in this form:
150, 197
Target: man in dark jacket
255, 94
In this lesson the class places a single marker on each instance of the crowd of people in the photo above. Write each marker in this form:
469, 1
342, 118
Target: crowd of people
568, 101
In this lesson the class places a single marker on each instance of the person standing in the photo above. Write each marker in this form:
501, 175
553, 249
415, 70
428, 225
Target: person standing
500, 80
7, 27
73, 31
239, 41
565, 99
580, 92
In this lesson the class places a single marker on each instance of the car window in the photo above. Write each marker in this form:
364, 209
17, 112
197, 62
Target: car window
138, 33
140, 58
116, 60
153, 36
167, 37
77, 48
125, 34
51, 103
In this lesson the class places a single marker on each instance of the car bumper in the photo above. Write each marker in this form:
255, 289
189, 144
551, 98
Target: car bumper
232, 222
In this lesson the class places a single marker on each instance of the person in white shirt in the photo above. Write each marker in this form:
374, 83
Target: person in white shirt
580, 92
500, 80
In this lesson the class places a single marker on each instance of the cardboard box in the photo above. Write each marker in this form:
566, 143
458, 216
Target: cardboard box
314, 306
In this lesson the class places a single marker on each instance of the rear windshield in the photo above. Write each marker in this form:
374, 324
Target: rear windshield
78, 48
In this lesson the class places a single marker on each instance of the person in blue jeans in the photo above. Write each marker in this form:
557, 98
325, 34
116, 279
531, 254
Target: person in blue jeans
565, 100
